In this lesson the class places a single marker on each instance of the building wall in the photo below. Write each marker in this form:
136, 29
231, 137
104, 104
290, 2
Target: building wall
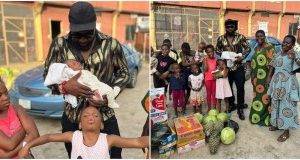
272, 23
53, 13
242, 17
286, 20
105, 19
239, 10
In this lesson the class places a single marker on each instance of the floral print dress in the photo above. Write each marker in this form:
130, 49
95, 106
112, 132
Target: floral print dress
285, 93
259, 113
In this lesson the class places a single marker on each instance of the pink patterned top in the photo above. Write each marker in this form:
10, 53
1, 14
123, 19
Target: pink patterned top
212, 65
11, 124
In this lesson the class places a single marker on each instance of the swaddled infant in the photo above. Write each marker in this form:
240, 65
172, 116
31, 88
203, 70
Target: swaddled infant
230, 57
59, 72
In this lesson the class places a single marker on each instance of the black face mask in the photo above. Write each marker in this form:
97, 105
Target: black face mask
82, 40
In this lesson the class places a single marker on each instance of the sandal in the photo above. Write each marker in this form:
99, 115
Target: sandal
285, 135
272, 128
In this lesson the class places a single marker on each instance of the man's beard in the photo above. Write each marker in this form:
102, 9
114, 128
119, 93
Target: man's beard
80, 47
230, 33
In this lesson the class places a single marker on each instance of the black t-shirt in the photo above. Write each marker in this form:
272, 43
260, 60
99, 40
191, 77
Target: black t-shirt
164, 63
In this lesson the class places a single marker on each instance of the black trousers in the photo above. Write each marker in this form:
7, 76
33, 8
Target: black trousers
238, 77
110, 127
159, 83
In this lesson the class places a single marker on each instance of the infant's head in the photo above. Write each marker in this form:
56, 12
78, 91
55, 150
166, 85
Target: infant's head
73, 64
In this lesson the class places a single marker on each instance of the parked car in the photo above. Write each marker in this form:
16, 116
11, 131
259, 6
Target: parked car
253, 43
29, 91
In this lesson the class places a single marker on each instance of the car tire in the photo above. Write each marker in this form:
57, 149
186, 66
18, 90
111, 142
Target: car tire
133, 79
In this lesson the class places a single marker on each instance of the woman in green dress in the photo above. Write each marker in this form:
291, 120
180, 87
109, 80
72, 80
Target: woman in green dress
259, 113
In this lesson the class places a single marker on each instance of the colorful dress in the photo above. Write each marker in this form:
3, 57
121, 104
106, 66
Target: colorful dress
196, 81
223, 89
259, 113
285, 93
210, 82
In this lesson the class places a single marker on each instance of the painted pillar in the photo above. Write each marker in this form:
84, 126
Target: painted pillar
281, 14
37, 10
222, 18
152, 29
115, 18
252, 11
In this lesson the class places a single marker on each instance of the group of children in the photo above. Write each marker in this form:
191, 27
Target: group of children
18, 132
210, 72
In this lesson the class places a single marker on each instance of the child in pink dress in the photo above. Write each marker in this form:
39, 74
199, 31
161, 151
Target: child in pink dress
223, 90
210, 65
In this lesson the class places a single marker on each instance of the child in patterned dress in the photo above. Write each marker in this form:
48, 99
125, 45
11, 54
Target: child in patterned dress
196, 81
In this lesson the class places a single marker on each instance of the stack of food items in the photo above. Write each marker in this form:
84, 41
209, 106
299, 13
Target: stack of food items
163, 138
190, 133
215, 132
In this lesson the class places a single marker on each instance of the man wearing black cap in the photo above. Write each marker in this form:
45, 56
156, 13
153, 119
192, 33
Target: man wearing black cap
98, 53
235, 42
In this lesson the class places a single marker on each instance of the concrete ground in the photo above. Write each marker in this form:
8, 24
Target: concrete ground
131, 118
252, 141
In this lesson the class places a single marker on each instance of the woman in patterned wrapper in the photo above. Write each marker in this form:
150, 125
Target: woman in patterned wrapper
260, 80
284, 89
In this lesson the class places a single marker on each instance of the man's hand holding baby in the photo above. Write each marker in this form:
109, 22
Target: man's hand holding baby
73, 87
98, 100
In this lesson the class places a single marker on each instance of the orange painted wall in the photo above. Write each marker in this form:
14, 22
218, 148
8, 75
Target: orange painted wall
286, 19
57, 14
121, 26
272, 23
106, 23
142, 7
238, 4
242, 17
105, 18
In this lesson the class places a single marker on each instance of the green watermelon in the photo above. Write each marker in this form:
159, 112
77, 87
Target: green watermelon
213, 112
227, 135
210, 119
223, 117
199, 117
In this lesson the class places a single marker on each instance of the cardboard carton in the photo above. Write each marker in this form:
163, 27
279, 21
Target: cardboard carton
188, 129
192, 145
166, 153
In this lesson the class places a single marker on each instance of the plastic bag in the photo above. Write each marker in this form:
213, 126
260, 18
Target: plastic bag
232, 124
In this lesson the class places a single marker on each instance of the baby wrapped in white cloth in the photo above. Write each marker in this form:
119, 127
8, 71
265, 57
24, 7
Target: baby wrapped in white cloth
230, 57
59, 72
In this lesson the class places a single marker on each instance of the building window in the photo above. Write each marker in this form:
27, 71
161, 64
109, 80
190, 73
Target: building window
293, 28
17, 41
130, 31
181, 24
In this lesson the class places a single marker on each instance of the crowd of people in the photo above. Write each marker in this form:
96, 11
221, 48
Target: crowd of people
185, 74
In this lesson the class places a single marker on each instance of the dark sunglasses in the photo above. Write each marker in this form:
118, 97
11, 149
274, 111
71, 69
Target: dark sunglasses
83, 34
